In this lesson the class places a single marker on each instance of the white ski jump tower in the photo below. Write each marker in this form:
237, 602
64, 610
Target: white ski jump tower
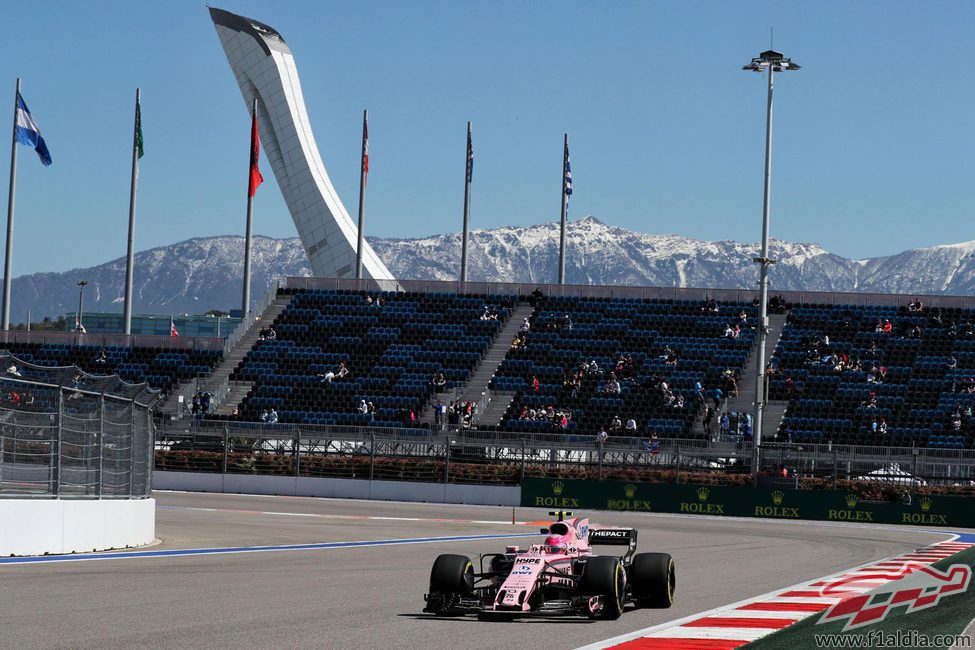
265, 69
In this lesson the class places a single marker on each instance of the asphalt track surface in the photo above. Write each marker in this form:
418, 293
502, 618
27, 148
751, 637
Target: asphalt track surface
372, 597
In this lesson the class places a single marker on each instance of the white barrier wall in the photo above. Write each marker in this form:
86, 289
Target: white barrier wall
56, 526
344, 488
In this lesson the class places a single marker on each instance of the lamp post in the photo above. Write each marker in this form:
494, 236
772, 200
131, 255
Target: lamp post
79, 327
772, 62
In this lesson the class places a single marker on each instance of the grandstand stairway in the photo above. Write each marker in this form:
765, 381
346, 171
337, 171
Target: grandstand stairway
745, 402
223, 404
477, 385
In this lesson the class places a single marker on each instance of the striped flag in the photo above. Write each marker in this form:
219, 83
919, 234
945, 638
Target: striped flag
365, 149
567, 176
470, 157
29, 133
172, 328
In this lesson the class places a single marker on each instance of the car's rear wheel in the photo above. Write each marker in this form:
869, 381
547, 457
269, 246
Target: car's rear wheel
653, 580
604, 576
451, 579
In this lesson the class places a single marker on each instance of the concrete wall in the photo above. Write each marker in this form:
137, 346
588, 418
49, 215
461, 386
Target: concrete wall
503, 495
55, 526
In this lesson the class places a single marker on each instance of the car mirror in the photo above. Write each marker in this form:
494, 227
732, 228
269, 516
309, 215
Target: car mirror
544, 531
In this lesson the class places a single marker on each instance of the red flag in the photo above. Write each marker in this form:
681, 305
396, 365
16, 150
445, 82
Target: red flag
365, 149
255, 178
172, 325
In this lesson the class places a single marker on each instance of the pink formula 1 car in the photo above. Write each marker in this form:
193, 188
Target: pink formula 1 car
560, 576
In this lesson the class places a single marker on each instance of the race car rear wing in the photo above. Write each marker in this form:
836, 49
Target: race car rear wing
613, 537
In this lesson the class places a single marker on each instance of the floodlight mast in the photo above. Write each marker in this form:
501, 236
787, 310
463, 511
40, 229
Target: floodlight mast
773, 62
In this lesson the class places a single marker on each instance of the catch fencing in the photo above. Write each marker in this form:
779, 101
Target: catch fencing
68, 441
494, 457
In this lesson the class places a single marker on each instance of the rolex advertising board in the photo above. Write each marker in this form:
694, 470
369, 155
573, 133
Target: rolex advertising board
719, 501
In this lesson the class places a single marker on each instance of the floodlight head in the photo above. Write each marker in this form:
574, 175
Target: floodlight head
771, 60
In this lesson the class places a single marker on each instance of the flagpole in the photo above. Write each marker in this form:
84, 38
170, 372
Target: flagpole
362, 195
468, 172
130, 251
10, 218
248, 237
565, 159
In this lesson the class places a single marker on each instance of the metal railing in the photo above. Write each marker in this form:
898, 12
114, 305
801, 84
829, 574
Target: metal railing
252, 316
631, 292
116, 340
505, 457
60, 441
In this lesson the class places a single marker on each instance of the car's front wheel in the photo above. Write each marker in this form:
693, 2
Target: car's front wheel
451, 579
604, 577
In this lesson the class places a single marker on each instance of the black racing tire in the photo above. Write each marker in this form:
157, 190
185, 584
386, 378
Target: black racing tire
604, 576
653, 580
452, 574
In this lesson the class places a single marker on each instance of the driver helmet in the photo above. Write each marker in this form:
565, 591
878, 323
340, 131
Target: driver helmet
556, 543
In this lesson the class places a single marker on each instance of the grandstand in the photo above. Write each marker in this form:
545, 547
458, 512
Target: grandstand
393, 343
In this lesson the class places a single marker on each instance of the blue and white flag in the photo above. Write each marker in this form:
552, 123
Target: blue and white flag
28, 132
567, 177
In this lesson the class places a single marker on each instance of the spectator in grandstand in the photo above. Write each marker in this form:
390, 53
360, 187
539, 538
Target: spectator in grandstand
615, 424
631, 427
601, 436
525, 326
914, 305
710, 305
708, 421
195, 405
952, 361
12, 370
915, 332
729, 331
372, 409
264, 415
536, 385
272, 416
671, 359
725, 424
438, 382
612, 385
326, 378
102, 357
205, 398
519, 341
716, 396
882, 427
887, 327
536, 297
678, 402
594, 368
364, 408
871, 401
567, 323
368, 300
343, 370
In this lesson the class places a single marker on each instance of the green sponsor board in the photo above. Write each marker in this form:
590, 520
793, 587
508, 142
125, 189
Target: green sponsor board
744, 502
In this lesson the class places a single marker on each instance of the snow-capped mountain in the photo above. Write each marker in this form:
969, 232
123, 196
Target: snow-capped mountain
196, 275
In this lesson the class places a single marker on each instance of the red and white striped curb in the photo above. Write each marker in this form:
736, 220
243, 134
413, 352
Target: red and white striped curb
735, 625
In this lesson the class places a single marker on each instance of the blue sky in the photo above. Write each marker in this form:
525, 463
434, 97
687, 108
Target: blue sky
873, 138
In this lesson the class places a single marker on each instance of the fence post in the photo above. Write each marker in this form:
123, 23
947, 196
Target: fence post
56, 447
522, 460
297, 452
150, 450
677, 462
226, 446
100, 439
599, 460
446, 459
914, 468
835, 467
372, 454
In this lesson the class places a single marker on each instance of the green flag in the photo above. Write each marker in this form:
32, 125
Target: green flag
138, 129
